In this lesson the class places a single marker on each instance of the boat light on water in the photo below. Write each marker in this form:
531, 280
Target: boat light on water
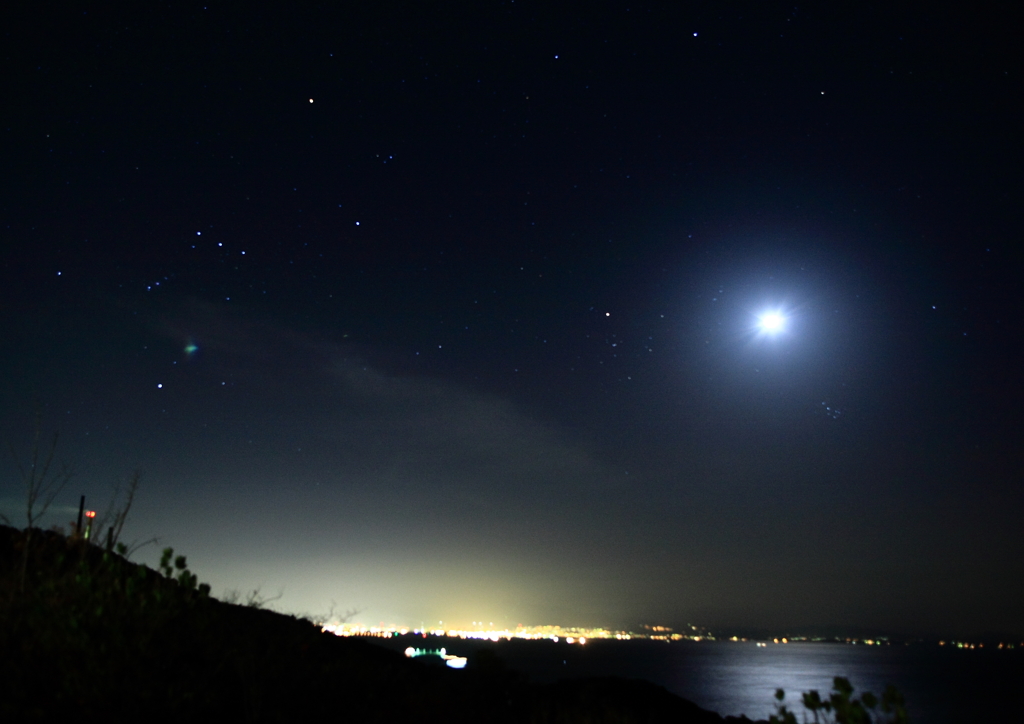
452, 662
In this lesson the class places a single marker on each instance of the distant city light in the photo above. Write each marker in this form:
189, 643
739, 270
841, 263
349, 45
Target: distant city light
579, 635
573, 635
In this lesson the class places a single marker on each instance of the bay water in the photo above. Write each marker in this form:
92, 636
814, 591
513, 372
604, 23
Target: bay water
941, 684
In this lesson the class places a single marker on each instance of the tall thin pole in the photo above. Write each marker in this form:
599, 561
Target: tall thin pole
81, 510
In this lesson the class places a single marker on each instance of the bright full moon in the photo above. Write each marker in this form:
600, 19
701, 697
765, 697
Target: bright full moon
771, 322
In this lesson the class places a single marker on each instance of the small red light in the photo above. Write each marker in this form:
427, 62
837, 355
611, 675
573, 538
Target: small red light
90, 514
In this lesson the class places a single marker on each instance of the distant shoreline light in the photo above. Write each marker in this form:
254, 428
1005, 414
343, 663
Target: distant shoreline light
581, 635
571, 635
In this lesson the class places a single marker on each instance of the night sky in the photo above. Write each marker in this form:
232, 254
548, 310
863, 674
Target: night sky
452, 311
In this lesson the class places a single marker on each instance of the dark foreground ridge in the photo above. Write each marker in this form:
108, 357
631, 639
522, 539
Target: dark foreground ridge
89, 635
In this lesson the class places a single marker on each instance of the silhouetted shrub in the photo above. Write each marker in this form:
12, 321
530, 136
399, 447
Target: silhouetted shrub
842, 708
